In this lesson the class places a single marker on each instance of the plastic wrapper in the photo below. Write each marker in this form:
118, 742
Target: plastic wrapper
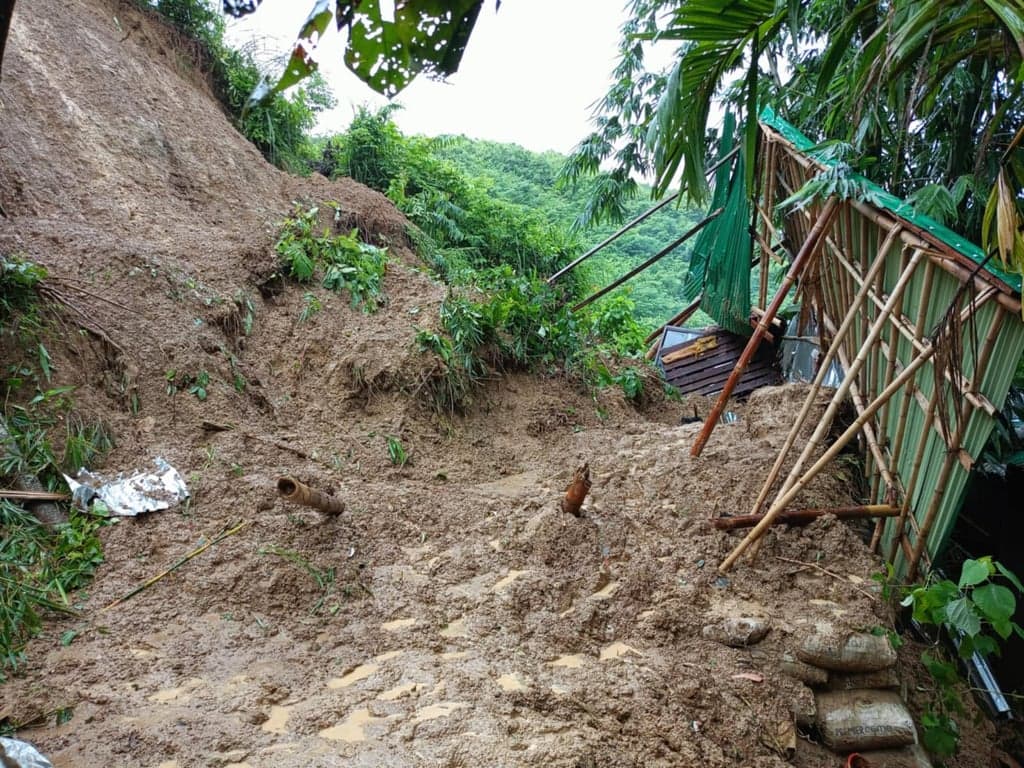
132, 495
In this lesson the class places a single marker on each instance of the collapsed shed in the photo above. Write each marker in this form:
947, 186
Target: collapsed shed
927, 330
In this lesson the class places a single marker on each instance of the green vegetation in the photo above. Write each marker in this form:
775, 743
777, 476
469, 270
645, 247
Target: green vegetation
39, 565
515, 175
493, 253
977, 613
344, 262
397, 453
482, 204
278, 126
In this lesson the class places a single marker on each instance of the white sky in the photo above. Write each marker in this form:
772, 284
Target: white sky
530, 74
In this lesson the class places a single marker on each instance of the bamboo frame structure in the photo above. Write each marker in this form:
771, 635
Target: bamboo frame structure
897, 300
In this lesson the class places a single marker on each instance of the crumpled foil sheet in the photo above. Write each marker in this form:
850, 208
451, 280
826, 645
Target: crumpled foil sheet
129, 496
23, 754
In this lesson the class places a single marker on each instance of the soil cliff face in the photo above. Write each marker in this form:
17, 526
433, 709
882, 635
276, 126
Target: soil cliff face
452, 615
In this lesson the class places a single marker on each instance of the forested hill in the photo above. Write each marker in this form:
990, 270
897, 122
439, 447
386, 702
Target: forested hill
516, 175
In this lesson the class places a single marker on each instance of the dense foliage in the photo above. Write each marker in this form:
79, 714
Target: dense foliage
279, 126
484, 204
39, 565
494, 249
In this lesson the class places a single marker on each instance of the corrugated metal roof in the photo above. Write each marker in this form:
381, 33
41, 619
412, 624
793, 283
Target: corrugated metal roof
894, 205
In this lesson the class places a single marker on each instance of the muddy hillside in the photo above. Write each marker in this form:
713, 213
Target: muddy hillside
452, 615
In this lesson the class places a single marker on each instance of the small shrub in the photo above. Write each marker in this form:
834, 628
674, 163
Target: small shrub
977, 612
344, 262
396, 452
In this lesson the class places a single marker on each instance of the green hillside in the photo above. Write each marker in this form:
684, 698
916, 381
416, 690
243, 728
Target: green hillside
516, 175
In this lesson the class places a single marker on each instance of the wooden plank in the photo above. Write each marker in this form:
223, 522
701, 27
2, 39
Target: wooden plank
695, 349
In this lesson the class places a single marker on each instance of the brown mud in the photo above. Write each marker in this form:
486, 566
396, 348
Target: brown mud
452, 615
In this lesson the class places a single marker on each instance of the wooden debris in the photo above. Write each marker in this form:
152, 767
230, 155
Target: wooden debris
577, 491
805, 516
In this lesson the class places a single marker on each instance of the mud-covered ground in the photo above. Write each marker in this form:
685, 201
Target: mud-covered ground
452, 615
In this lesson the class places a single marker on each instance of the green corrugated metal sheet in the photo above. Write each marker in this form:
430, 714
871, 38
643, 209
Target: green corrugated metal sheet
892, 203
995, 381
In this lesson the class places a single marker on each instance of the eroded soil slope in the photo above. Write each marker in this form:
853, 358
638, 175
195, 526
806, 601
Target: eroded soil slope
452, 615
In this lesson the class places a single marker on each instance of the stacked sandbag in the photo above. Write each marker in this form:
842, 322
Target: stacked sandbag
858, 707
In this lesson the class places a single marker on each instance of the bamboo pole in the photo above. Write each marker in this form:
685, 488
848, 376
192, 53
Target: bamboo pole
807, 252
924, 298
977, 400
32, 495
966, 411
780, 503
890, 371
805, 516
290, 489
915, 472
885, 470
637, 220
228, 530
937, 494
850, 375
655, 258
769, 196
837, 340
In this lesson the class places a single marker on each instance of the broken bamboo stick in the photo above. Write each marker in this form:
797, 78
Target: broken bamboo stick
654, 259
807, 252
805, 516
577, 491
292, 490
228, 530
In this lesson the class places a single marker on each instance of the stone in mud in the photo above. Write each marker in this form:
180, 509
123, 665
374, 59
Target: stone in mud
853, 652
853, 721
737, 632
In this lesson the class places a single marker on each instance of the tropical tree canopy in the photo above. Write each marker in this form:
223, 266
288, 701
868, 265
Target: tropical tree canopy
926, 93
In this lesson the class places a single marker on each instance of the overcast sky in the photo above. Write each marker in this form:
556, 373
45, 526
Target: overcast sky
530, 74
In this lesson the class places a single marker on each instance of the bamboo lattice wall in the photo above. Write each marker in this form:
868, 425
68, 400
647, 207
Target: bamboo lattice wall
928, 339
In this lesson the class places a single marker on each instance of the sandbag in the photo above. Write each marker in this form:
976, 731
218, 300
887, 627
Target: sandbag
851, 681
805, 673
854, 721
855, 652
911, 757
